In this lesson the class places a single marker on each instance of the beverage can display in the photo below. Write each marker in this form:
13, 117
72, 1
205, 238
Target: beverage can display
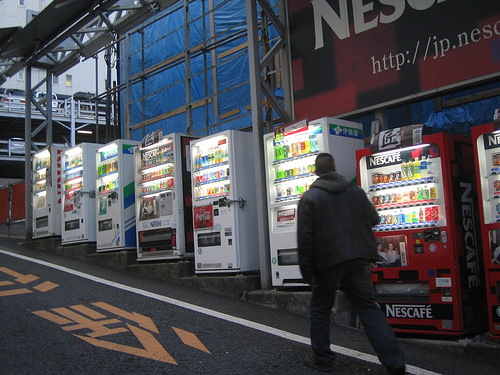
423, 167
404, 172
495, 160
413, 195
420, 193
398, 176
428, 213
435, 213
409, 169
433, 192
425, 193
416, 169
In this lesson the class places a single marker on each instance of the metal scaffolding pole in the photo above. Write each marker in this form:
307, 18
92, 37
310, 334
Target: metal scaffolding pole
258, 139
263, 88
48, 106
28, 176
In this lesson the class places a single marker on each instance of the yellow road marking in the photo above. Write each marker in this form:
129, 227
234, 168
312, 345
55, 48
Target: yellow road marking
89, 312
14, 292
99, 327
46, 286
52, 317
143, 321
191, 340
152, 348
20, 278
5, 283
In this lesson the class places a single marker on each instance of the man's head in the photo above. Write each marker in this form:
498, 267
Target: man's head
324, 163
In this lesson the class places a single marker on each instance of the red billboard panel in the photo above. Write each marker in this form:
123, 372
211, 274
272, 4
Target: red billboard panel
349, 55
18, 201
4, 205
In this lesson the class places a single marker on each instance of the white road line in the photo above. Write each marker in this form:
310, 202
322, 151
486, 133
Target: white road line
216, 314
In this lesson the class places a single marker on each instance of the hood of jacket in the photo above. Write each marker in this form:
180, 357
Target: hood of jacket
331, 182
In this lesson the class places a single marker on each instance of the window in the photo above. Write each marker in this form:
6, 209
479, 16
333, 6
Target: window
22, 3
55, 80
69, 80
20, 75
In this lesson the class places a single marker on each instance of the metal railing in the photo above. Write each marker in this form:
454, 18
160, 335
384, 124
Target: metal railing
61, 107
15, 147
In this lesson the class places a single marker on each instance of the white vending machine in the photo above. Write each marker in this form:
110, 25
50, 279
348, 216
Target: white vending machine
78, 206
47, 192
224, 203
115, 196
164, 215
290, 154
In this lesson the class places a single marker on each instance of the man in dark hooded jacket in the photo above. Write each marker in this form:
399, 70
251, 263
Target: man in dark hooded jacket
336, 246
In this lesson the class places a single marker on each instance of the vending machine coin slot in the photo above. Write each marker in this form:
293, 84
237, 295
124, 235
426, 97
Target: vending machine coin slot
432, 235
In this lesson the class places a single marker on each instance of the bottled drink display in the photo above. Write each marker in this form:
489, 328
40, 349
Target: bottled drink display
157, 170
42, 165
107, 171
294, 155
73, 171
211, 169
406, 195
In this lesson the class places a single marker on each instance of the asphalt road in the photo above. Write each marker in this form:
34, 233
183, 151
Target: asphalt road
64, 316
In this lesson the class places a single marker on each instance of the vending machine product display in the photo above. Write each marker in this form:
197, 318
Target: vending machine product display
47, 191
79, 184
290, 154
486, 141
164, 215
224, 203
115, 198
429, 277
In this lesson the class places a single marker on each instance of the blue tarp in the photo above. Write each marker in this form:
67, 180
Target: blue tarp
163, 92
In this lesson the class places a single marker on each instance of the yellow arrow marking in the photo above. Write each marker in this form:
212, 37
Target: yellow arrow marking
46, 286
20, 278
14, 292
152, 348
143, 321
191, 340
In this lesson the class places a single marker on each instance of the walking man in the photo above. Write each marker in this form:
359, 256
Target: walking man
336, 247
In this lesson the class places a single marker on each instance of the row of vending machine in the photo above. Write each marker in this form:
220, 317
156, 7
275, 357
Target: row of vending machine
176, 197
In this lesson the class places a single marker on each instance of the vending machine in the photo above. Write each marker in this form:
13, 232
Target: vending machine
47, 192
224, 203
115, 196
79, 184
486, 141
164, 216
429, 277
290, 155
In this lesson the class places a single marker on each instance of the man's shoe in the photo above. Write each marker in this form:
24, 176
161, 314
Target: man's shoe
311, 361
396, 371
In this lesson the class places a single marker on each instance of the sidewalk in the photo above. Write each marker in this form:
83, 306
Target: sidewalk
246, 287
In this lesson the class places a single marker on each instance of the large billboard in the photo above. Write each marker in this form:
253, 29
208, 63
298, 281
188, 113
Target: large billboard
352, 55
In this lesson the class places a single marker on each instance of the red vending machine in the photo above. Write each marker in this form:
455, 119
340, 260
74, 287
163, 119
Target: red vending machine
486, 141
429, 278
